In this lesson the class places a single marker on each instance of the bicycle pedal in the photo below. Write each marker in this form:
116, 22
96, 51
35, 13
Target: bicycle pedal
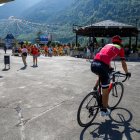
115, 95
95, 94
90, 116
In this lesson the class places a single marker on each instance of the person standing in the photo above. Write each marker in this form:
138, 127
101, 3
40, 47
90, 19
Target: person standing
35, 53
5, 49
50, 50
88, 53
24, 52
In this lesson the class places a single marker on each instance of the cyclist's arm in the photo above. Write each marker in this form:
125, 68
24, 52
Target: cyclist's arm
124, 66
122, 56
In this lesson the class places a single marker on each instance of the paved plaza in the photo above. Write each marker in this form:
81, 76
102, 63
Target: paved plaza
41, 103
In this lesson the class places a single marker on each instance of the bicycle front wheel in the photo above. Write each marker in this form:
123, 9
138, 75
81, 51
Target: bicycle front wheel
88, 109
115, 95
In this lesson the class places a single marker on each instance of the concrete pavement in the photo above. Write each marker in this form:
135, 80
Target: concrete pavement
41, 103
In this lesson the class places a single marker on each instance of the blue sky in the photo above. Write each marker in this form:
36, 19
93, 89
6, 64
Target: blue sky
1, 4
16, 8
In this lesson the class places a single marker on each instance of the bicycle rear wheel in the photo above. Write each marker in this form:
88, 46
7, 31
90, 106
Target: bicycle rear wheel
88, 109
115, 95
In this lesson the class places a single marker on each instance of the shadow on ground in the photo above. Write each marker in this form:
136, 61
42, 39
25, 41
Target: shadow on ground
111, 129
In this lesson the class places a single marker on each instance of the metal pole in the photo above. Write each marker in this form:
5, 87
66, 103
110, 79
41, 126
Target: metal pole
136, 22
130, 42
76, 40
136, 42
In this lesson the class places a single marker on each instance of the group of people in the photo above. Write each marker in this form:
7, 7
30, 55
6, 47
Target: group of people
92, 50
50, 51
61, 50
45, 50
34, 51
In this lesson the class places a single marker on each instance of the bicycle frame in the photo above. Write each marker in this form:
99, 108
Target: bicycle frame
113, 76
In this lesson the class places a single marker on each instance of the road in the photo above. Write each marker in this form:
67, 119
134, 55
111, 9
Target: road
41, 103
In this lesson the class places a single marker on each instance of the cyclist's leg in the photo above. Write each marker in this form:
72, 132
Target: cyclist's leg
95, 66
105, 88
105, 95
102, 69
96, 84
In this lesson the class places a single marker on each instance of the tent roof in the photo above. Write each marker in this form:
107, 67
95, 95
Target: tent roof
111, 23
106, 28
9, 36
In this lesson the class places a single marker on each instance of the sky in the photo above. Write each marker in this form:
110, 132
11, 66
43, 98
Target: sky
32, 2
1, 4
16, 8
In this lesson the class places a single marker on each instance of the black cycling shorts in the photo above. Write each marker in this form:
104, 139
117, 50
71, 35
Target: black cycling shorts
24, 54
102, 70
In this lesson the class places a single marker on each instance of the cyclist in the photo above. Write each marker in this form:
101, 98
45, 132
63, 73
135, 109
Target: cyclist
101, 66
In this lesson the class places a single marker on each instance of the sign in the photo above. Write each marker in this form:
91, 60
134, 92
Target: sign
43, 39
9, 40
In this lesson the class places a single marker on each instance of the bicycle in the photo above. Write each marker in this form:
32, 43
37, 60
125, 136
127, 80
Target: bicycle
93, 100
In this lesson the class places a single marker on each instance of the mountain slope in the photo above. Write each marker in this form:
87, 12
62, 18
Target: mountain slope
46, 10
15, 8
22, 29
58, 16
85, 12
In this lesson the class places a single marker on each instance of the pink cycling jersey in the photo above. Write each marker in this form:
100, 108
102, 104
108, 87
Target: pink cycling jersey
109, 52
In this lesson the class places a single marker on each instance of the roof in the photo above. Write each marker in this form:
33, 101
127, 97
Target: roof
9, 36
111, 23
5, 1
107, 28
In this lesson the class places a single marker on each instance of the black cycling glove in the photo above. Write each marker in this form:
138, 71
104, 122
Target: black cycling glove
111, 69
128, 74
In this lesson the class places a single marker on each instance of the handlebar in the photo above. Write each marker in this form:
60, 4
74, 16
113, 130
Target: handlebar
119, 74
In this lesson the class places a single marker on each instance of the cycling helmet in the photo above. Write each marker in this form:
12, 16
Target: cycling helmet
116, 39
